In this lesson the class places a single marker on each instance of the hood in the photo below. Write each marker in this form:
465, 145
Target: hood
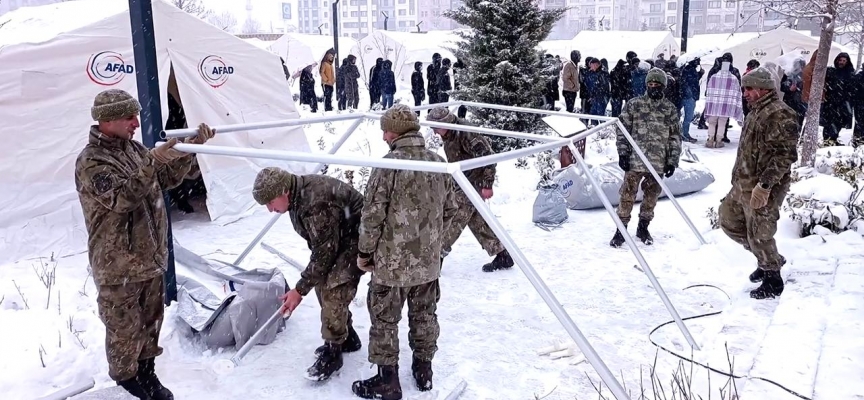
644, 66
727, 57
387, 65
344, 62
848, 61
418, 65
631, 55
352, 59
379, 61
575, 56
445, 63
620, 65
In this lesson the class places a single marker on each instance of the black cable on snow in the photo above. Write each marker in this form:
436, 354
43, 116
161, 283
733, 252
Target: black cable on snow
712, 369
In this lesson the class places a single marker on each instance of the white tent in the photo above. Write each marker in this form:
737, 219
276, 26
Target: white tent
614, 45
257, 43
54, 59
299, 50
403, 49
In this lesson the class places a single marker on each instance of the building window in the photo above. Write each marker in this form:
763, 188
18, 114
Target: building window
654, 21
713, 4
730, 18
605, 10
698, 19
656, 7
671, 19
672, 6
697, 5
713, 19
402, 12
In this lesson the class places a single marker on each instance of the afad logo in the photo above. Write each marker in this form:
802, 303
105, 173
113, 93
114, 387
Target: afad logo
108, 68
214, 70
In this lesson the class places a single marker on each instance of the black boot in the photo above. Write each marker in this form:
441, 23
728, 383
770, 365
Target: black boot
642, 232
134, 388
149, 381
618, 239
327, 363
422, 371
384, 386
772, 286
502, 261
757, 275
350, 345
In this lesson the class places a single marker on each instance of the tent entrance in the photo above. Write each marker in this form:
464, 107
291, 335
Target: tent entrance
190, 197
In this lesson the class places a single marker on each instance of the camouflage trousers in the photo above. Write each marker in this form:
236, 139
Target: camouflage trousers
385, 311
754, 229
132, 314
650, 192
335, 314
467, 215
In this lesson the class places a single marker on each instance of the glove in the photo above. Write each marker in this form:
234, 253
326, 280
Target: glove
204, 134
624, 162
165, 153
364, 262
668, 171
759, 197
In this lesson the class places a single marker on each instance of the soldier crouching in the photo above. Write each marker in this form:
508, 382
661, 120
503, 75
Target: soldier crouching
761, 179
405, 215
119, 184
326, 213
653, 123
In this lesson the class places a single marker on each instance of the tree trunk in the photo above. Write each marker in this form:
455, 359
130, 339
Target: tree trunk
860, 47
810, 138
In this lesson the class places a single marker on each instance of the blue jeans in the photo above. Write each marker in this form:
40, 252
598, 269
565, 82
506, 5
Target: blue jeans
598, 107
386, 100
689, 107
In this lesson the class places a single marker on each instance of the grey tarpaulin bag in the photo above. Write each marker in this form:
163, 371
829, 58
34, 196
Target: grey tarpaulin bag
550, 207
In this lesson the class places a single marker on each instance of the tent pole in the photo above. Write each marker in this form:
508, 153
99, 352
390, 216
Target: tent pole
147, 78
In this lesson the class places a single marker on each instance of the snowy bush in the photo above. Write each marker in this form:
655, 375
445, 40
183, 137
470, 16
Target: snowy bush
545, 164
713, 218
826, 200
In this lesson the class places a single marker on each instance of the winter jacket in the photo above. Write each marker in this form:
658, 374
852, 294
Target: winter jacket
327, 76
307, 87
325, 212
767, 149
839, 89
432, 76
340, 77
351, 74
620, 81
570, 77
120, 187
458, 70
672, 92
386, 79
462, 145
583, 91
690, 78
374, 87
858, 96
638, 79
417, 82
597, 84
656, 128
443, 83
405, 215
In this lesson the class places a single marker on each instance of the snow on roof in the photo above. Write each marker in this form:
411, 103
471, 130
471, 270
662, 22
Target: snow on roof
258, 43
614, 45
43, 23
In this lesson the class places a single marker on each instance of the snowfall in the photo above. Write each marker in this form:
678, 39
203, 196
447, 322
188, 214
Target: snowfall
493, 324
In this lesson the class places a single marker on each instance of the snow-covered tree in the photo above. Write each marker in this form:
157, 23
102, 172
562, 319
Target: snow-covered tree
852, 28
193, 7
503, 64
251, 26
225, 21
644, 26
591, 25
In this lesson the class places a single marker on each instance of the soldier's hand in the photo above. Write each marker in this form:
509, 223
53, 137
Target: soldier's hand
364, 263
624, 162
486, 193
759, 197
668, 171
165, 153
205, 133
290, 301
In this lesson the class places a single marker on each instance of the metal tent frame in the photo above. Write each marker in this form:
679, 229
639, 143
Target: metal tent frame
456, 170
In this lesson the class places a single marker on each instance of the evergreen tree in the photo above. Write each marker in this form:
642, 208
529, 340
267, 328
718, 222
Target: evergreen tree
644, 26
591, 25
503, 64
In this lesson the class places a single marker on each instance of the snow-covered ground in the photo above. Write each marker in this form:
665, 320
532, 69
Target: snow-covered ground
492, 324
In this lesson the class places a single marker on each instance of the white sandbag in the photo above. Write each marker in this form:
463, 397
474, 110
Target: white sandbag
691, 176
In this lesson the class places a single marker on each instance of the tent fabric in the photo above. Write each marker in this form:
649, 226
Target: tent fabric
300, 50
403, 49
614, 45
54, 59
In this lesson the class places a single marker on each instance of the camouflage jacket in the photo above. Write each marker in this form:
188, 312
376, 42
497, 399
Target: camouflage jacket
326, 213
656, 128
768, 147
120, 188
405, 215
460, 145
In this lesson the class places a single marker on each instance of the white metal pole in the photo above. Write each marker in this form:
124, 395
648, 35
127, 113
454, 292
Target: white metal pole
535, 111
662, 185
262, 125
543, 290
629, 239
257, 239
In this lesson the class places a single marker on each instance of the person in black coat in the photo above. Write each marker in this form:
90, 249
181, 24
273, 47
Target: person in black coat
432, 78
387, 84
858, 108
340, 84
444, 85
417, 85
374, 87
792, 84
620, 82
307, 88
836, 111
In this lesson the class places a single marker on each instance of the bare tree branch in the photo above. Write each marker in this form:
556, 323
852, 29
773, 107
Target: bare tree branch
251, 26
225, 21
193, 7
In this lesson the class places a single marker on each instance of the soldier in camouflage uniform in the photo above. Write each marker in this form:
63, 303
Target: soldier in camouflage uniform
405, 217
119, 184
761, 179
654, 124
326, 213
459, 146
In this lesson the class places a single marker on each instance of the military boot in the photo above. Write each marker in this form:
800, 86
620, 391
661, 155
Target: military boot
150, 383
383, 386
618, 239
501, 261
642, 232
327, 363
757, 275
350, 345
422, 371
772, 286
133, 386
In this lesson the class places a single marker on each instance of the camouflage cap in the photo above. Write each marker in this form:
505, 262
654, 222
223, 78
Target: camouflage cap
758, 78
271, 183
114, 104
399, 119
656, 75
441, 114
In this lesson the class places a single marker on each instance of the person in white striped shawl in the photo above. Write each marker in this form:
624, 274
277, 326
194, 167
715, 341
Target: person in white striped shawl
722, 101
